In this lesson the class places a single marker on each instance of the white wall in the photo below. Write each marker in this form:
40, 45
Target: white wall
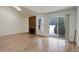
77, 33
11, 21
72, 21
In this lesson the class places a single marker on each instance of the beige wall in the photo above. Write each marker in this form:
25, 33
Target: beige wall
11, 21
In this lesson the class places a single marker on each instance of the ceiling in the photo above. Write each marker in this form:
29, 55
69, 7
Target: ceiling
27, 12
47, 9
35, 10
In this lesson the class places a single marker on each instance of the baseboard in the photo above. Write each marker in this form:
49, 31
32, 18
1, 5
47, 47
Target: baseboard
13, 34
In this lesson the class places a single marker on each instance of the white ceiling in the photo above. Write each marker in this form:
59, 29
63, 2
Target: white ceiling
47, 9
28, 11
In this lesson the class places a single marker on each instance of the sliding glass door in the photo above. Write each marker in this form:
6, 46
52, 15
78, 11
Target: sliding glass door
57, 27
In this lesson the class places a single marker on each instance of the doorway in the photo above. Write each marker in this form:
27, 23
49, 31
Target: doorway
57, 27
32, 25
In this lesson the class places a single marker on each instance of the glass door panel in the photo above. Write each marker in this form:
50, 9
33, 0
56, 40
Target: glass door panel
53, 27
61, 27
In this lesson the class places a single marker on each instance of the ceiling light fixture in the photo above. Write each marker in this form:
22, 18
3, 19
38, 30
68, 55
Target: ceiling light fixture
17, 8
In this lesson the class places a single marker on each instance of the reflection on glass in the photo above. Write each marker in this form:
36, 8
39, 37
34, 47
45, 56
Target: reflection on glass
61, 27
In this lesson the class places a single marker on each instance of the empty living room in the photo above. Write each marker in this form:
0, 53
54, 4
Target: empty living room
39, 29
